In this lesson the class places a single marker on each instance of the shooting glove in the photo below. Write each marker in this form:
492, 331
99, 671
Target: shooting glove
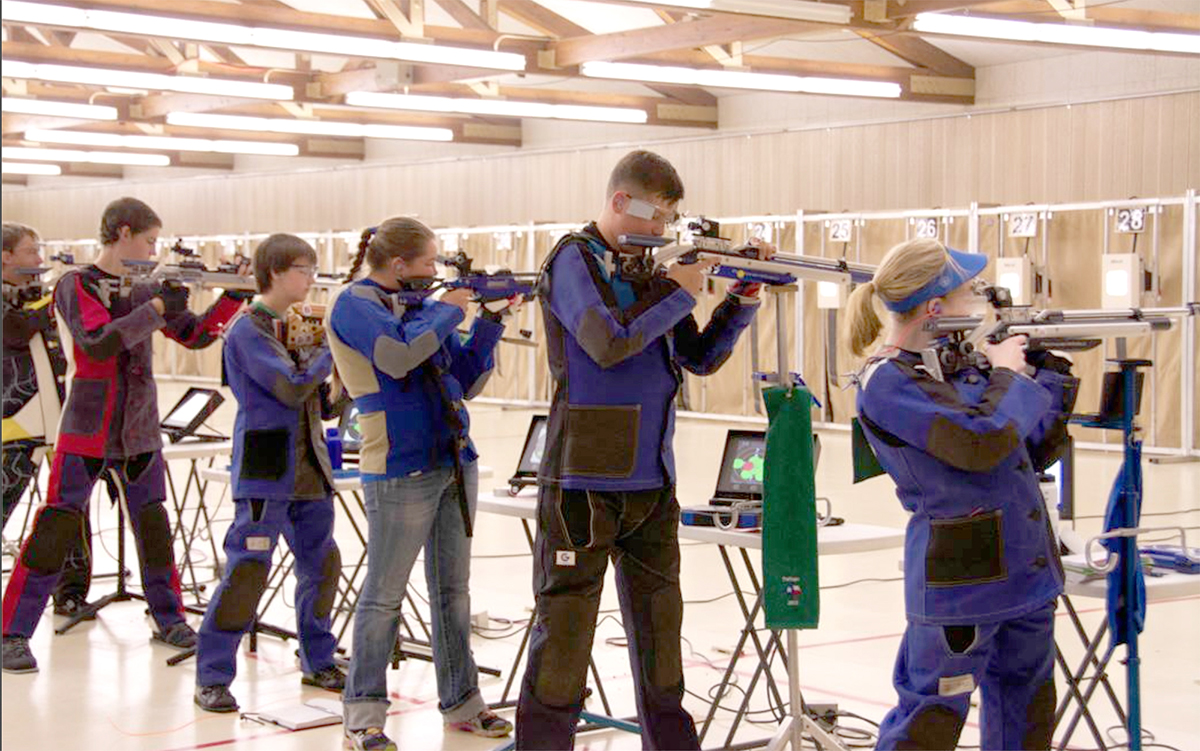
175, 299
241, 295
1044, 359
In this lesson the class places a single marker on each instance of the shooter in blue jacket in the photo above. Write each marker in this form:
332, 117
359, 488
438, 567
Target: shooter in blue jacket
400, 356
282, 481
963, 440
618, 336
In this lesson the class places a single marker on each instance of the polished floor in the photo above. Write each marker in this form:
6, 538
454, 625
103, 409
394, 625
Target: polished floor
104, 686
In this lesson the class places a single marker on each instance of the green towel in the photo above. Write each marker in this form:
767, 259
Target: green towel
790, 582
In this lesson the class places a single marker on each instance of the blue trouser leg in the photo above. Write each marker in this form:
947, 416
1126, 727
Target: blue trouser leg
309, 534
249, 544
938, 667
1019, 697
145, 484
37, 569
19, 471
58, 525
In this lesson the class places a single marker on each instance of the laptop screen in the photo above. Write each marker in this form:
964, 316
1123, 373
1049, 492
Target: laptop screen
349, 430
535, 446
192, 409
742, 465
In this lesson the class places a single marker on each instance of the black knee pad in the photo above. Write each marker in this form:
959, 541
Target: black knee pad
154, 531
137, 465
331, 570
933, 729
240, 595
55, 532
1039, 733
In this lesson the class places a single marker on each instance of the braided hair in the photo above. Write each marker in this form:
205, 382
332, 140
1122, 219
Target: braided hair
400, 236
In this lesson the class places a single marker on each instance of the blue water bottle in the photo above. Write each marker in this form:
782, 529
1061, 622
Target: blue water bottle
333, 440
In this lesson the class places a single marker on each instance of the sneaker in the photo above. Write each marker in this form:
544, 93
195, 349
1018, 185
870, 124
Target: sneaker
215, 699
180, 636
487, 723
371, 739
74, 605
331, 679
17, 657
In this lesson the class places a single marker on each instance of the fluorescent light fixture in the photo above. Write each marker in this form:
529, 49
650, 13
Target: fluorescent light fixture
309, 127
1056, 33
17, 168
89, 157
732, 79
131, 79
256, 36
58, 109
167, 143
500, 107
800, 10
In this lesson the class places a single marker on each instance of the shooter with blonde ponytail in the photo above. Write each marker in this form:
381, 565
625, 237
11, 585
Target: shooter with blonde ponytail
982, 569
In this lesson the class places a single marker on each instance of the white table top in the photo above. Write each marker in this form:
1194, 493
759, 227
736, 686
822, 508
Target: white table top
844, 538
196, 449
1170, 584
349, 482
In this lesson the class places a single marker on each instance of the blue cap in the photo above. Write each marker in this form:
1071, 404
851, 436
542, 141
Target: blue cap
960, 267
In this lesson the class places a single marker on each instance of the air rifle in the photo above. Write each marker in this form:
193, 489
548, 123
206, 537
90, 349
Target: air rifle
742, 263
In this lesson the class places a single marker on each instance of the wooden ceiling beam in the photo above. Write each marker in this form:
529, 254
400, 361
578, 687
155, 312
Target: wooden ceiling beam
410, 23
714, 30
913, 49
463, 15
541, 18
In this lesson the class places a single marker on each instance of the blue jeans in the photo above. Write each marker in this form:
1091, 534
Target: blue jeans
405, 514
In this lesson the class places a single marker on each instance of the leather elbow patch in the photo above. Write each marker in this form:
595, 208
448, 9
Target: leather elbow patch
967, 450
607, 350
965, 550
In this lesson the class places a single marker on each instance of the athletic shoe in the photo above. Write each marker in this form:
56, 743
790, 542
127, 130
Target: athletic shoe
74, 605
215, 699
371, 739
17, 656
180, 636
487, 723
331, 679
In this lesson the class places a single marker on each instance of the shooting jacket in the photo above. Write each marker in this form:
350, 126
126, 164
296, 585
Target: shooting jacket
112, 402
964, 454
392, 356
21, 324
617, 348
279, 450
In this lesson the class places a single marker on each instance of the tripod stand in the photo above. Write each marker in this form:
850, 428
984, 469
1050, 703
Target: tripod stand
122, 594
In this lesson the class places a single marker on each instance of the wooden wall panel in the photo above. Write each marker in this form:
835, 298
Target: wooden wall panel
1088, 152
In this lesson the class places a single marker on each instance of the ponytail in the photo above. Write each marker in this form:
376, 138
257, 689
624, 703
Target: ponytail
363, 243
862, 322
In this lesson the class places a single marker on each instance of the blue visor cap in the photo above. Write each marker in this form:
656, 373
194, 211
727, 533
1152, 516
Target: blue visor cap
960, 267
